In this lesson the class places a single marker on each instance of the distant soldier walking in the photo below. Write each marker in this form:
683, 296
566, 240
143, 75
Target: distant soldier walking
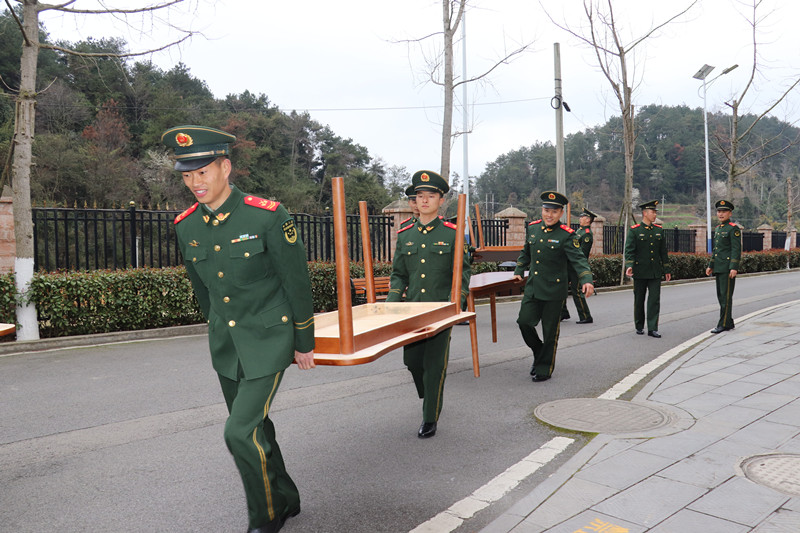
585, 237
550, 252
646, 260
724, 263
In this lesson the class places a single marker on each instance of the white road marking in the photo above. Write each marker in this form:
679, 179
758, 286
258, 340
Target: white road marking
450, 519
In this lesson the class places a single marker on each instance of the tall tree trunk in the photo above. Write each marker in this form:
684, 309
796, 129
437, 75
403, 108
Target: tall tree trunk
447, 116
21, 171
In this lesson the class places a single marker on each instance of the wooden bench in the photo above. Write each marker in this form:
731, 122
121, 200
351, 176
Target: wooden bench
359, 289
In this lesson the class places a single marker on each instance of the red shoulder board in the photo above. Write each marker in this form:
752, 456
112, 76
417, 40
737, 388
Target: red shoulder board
449, 225
403, 229
186, 213
635, 226
732, 224
404, 221
255, 201
656, 225
588, 230
567, 228
535, 222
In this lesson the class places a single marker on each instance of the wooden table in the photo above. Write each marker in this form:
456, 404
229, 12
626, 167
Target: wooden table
489, 284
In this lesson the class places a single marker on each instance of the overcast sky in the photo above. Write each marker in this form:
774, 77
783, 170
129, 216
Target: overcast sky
341, 61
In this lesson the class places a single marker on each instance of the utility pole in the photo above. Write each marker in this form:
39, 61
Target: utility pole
558, 104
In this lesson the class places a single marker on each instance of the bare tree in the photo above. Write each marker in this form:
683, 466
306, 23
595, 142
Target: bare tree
440, 71
615, 57
24, 121
740, 155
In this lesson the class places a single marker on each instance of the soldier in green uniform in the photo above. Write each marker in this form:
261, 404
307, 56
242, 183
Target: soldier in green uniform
248, 269
422, 268
724, 263
584, 235
550, 251
411, 194
646, 260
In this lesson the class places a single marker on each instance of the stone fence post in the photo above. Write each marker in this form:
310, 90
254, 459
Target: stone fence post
766, 234
399, 211
597, 235
8, 243
515, 236
700, 237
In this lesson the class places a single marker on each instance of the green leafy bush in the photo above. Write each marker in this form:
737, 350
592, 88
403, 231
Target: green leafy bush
78, 303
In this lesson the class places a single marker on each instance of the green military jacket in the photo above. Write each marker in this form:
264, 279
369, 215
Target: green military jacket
547, 254
584, 234
422, 266
248, 269
646, 251
727, 248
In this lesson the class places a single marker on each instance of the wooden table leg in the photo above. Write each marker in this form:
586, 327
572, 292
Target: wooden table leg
492, 302
473, 336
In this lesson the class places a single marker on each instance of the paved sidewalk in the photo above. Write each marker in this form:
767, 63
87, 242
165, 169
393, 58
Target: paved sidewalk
727, 460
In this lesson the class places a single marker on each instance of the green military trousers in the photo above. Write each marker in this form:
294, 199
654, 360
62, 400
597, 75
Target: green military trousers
250, 437
725, 285
531, 312
427, 362
651, 288
577, 297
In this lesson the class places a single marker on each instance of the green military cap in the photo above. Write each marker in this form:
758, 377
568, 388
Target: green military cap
427, 180
724, 205
196, 146
410, 192
587, 213
553, 200
652, 204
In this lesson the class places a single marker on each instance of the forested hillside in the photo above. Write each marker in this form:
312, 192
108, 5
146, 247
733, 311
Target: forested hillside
99, 123
669, 164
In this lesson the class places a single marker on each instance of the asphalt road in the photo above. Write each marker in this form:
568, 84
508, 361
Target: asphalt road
128, 437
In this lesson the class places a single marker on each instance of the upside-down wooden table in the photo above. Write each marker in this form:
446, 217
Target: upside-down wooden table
361, 334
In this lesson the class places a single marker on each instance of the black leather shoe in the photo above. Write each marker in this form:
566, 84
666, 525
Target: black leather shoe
585, 321
537, 378
270, 527
640, 332
565, 317
655, 334
427, 430
718, 329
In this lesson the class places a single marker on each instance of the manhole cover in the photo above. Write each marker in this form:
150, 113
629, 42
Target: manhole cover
594, 415
780, 472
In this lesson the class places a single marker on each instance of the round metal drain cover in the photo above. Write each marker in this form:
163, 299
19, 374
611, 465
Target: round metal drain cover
594, 415
780, 472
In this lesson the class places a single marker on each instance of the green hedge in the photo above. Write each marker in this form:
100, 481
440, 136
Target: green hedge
77, 303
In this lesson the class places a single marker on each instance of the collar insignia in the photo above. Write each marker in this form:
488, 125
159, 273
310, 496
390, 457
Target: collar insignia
194, 243
206, 218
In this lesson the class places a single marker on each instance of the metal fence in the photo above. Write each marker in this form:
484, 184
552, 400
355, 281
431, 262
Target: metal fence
494, 231
778, 240
92, 239
752, 241
317, 235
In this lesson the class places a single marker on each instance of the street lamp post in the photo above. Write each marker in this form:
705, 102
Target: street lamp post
702, 74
